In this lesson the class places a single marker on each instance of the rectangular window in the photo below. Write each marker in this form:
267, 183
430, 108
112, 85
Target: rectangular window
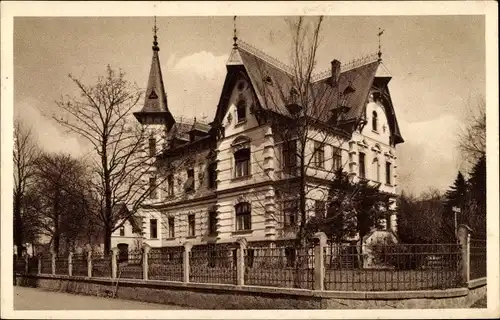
241, 110
319, 208
189, 185
171, 227
337, 158
191, 225
212, 222
170, 184
152, 147
122, 231
319, 155
152, 188
290, 213
153, 228
362, 172
388, 173
212, 175
290, 156
242, 163
243, 216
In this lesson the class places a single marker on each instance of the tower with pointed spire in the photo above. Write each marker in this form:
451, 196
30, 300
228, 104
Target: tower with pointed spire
155, 111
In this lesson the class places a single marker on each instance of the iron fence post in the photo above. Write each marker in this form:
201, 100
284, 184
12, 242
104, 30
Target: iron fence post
114, 263
319, 261
145, 261
240, 261
89, 263
463, 235
70, 264
185, 261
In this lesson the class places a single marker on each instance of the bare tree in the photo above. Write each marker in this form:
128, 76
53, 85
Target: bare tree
472, 138
25, 154
102, 115
59, 197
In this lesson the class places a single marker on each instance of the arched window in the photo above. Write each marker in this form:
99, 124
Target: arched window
243, 216
374, 121
241, 110
242, 163
376, 169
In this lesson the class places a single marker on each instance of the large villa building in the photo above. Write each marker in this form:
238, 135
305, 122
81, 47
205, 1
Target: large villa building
219, 181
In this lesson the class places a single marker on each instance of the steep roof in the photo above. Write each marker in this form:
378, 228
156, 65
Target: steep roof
272, 81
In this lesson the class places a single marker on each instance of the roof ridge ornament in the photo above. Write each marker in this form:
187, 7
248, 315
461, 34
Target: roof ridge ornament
235, 36
346, 66
155, 37
264, 56
380, 33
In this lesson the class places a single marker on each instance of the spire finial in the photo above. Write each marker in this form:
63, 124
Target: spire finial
380, 33
235, 36
155, 37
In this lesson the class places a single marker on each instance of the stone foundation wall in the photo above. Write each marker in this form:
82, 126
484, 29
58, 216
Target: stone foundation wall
216, 296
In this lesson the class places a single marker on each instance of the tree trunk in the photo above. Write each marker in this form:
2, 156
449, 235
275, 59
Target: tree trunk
107, 239
18, 226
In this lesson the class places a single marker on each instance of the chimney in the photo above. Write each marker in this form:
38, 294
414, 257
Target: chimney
335, 72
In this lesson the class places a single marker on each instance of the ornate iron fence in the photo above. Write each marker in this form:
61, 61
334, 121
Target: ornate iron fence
166, 264
478, 264
132, 267
212, 264
284, 266
101, 264
392, 267
62, 265
80, 264
19, 264
46, 264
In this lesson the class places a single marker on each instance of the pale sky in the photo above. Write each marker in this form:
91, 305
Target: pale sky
437, 64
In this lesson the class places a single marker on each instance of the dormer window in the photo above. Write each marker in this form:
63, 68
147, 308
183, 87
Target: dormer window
268, 80
241, 110
374, 121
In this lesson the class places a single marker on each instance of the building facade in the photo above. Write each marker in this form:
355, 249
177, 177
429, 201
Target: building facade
234, 177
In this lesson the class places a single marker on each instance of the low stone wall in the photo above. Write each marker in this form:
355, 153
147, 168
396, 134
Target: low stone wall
217, 296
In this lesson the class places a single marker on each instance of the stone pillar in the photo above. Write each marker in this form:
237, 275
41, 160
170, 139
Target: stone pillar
319, 260
240, 261
114, 262
145, 260
39, 264
26, 261
185, 261
463, 235
53, 260
70, 264
89, 263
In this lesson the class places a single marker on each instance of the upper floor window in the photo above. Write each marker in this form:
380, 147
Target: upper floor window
171, 227
362, 171
290, 156
319, 155
122, 231
189, 185
191, 225
153, 228
319, 208
243, 216
212, 175
241, 110
212, 222
337, 158
152, 147
374, 121
388, 173
290, 213
170, 184
152, 188
376, 169
242, 163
